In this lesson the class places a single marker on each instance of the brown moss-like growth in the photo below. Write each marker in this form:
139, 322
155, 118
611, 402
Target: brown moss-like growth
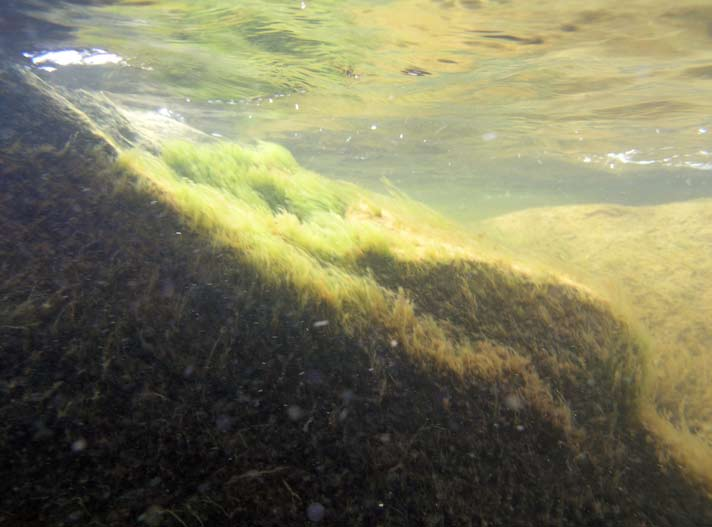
150, 376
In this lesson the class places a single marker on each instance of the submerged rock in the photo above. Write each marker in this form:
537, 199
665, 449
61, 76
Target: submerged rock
541, 379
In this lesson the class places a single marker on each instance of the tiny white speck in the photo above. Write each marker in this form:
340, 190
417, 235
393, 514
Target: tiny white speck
179, 233
296, 106
215, 134
348, 139
702, 131
79, 445
400, 136
394, 343
373, 127
321, 323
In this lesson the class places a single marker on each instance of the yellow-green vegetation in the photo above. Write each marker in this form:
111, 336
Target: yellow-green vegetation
394, 263
291, 223
655, 264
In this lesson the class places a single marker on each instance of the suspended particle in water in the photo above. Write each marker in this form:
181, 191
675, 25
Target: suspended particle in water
316, 512
79, 445
294, 412
75, 516
347, 396
321, 323
513, 402
223, 423
314, 377
152, 516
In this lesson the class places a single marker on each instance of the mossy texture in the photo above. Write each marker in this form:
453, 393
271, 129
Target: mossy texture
373, 259
654, 264
181, 347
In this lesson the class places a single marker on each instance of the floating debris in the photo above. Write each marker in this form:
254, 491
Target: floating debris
316, 512
415, 72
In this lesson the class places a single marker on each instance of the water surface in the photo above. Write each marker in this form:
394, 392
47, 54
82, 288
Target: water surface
476, 107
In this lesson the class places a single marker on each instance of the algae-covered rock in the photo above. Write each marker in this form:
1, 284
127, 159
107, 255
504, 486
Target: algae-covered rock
656, 262
208, 334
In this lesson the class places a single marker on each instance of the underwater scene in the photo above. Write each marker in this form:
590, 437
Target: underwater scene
368, 263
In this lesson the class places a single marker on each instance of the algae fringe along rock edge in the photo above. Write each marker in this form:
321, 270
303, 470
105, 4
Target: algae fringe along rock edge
365, 256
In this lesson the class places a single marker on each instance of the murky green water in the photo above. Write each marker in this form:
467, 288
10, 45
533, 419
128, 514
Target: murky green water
476, 107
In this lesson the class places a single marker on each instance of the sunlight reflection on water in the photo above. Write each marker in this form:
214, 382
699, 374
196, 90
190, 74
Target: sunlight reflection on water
483, 97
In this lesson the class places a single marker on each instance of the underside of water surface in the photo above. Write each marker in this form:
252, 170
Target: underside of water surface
367, 263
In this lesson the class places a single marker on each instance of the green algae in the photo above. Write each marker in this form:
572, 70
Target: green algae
375, 260
653, 263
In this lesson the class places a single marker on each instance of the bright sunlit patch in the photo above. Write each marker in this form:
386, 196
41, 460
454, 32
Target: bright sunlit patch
635, 157
73, 57
628, 157
698, 166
